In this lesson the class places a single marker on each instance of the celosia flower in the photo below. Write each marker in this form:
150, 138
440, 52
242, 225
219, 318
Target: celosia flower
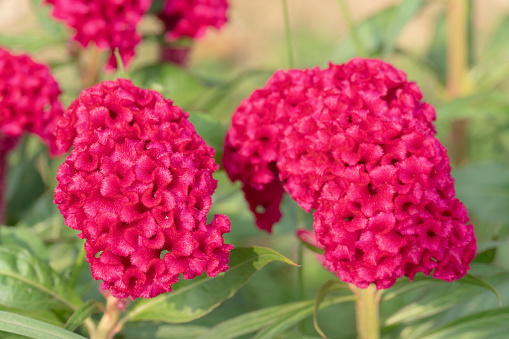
356, 143
28, 100
108, 23
191, 18
138, 185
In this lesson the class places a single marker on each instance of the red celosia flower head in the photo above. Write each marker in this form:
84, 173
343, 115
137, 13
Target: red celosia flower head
28, 100
138, 185
356, 143
109, 23
191, 18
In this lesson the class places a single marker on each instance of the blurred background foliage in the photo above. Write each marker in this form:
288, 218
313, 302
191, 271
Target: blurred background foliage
224, 68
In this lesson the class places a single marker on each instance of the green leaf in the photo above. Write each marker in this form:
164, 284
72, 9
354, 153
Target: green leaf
470, 279
491, 103
440, 302
484, 189
161, 331
328, 287
294, 317
18, 324
24, 237
42, 315
211, 130
171, 81
403, 13
202, 296
480, 325
253, 321
29, 283
404, 287
83, 312
31, 42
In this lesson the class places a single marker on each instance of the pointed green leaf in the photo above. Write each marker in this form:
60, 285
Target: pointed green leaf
202, 296
470, 279
403, 13
442, 300
29, 283
328, 287
18, 324
83, 312
42, 315
253, 321
161, 331
294, 317
403, 287
480, 325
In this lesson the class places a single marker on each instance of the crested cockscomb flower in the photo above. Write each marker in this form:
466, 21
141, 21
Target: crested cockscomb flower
191, 18
28, 100
138, 185
355, 143
110, 24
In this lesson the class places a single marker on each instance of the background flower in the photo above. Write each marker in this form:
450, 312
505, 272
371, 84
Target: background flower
28, 100
191, 18
138, 185
108, 23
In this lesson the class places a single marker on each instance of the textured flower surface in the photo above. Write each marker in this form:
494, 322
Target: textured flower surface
191, 18
355, 143
138, 185
108, 23
28, 100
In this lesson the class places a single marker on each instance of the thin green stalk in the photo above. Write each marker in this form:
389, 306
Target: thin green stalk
289, 45
359, 46
457, 72
366, 312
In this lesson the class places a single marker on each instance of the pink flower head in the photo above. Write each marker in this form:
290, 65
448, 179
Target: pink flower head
138, 185
109, 23
191, 18
28, 100
355, 143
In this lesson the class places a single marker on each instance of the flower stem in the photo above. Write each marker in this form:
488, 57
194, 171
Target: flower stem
109, 325
366, 312
361, 50
457, 71
289, 45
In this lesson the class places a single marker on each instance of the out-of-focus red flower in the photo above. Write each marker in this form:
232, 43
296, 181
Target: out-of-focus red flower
355, 143
108, 23
191, 18
138, 185
28, 100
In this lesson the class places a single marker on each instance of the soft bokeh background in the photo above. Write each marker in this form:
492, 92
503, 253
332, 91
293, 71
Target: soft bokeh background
225, 67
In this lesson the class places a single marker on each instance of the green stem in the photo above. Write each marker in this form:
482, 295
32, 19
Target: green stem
289, 45
109, 324
366, 312
361, 50
457, 71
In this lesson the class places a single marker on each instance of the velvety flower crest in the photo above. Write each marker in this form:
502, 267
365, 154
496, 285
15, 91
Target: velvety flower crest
191, 18
28, 100
138, 185
110, 24
355, 143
